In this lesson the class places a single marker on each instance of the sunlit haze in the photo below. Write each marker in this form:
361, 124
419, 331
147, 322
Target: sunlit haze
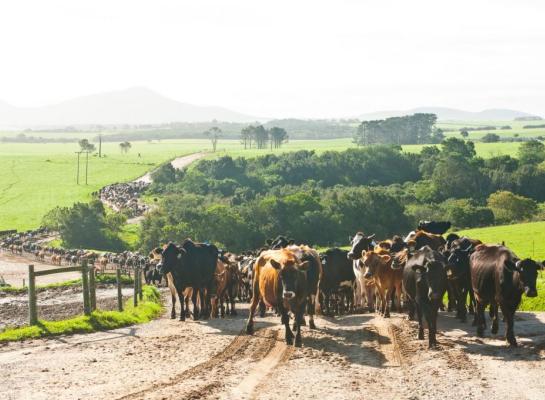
309, 59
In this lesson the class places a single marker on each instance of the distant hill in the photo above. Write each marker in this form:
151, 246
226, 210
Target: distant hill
444, 113
131, 106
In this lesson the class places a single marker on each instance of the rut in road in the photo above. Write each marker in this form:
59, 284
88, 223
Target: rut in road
244, 362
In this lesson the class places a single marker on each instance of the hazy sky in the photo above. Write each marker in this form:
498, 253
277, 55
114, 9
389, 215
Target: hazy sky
279, 58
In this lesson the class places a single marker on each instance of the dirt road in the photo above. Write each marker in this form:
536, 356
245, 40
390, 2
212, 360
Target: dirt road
177, 163
14, 269
351, 357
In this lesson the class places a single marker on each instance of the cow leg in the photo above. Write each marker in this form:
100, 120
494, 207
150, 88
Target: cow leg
262, 308
431, 319
387, 303
471, 300
173, 309
298, 317
194, 301
232, 297
420, 323
310, 309
370, 296
481, 323
182, 303
204, 298
253, 306
494, 316
462, 310
222, 306
286, 321
508, 312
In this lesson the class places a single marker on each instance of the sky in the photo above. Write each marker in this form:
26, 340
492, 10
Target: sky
297, 58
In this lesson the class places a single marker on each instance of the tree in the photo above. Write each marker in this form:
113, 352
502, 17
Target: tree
531, 152
86, 225
213, 134
246, 136
85, 145
261, 136
125, 147
277, 136
491, 138
509, 207
464, 133
454, 145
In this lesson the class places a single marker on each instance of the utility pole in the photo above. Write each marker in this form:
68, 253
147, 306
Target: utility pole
100, 145
77, 175
86, 165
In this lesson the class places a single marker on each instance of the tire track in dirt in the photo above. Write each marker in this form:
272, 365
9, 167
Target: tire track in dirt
254, 356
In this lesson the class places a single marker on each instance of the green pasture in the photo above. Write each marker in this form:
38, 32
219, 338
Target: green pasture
34, 178
526, 240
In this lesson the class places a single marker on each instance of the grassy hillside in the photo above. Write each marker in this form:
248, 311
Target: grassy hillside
526, 240
37, 177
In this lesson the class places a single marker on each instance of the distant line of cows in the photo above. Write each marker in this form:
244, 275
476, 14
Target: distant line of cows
411, 273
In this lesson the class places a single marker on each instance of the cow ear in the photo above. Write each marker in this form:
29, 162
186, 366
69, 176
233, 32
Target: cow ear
304, 266
275, 264
386, 258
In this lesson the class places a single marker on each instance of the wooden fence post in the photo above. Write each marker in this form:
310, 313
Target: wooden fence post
135, 294
32, 308
140, 294
85, 283
92, 289
119, 295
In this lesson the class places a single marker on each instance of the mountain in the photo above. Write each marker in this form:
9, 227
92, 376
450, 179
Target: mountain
131, 106
444, 113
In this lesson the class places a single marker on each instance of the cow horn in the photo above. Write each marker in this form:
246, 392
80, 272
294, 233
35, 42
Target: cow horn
371, 236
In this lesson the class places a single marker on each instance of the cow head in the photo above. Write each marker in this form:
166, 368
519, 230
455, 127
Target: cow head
170, 257
457, 258
527, 269
373, 261
359, 243
429, 266
290, 275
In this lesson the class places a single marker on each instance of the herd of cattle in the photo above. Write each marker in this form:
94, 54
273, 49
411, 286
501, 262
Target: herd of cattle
124, 197
411, 274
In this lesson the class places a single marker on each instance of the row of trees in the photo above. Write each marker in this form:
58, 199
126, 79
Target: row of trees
85, 145
410, 129
253, 135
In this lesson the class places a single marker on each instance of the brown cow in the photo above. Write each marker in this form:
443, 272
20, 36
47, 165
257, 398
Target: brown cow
435, 242
378, 266
280, 281
499, 277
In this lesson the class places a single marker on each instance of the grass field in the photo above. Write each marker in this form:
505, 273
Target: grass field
526, 240
34, 178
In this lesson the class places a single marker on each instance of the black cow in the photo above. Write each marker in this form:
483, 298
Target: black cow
459, 275
424, 284
337, 282
360, 243
435, 227
279, 243
191, 265
499, 278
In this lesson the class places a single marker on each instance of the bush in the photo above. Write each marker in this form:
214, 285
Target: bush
508, 207
490, 138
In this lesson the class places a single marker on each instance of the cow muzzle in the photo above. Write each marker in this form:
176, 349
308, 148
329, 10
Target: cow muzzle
368, 275
288, 294
530, 292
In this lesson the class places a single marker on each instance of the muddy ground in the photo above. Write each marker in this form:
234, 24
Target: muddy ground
350, 357
55, 304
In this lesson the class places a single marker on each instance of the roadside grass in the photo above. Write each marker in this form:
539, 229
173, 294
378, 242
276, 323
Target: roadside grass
129, 235
100, 279
149, 308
